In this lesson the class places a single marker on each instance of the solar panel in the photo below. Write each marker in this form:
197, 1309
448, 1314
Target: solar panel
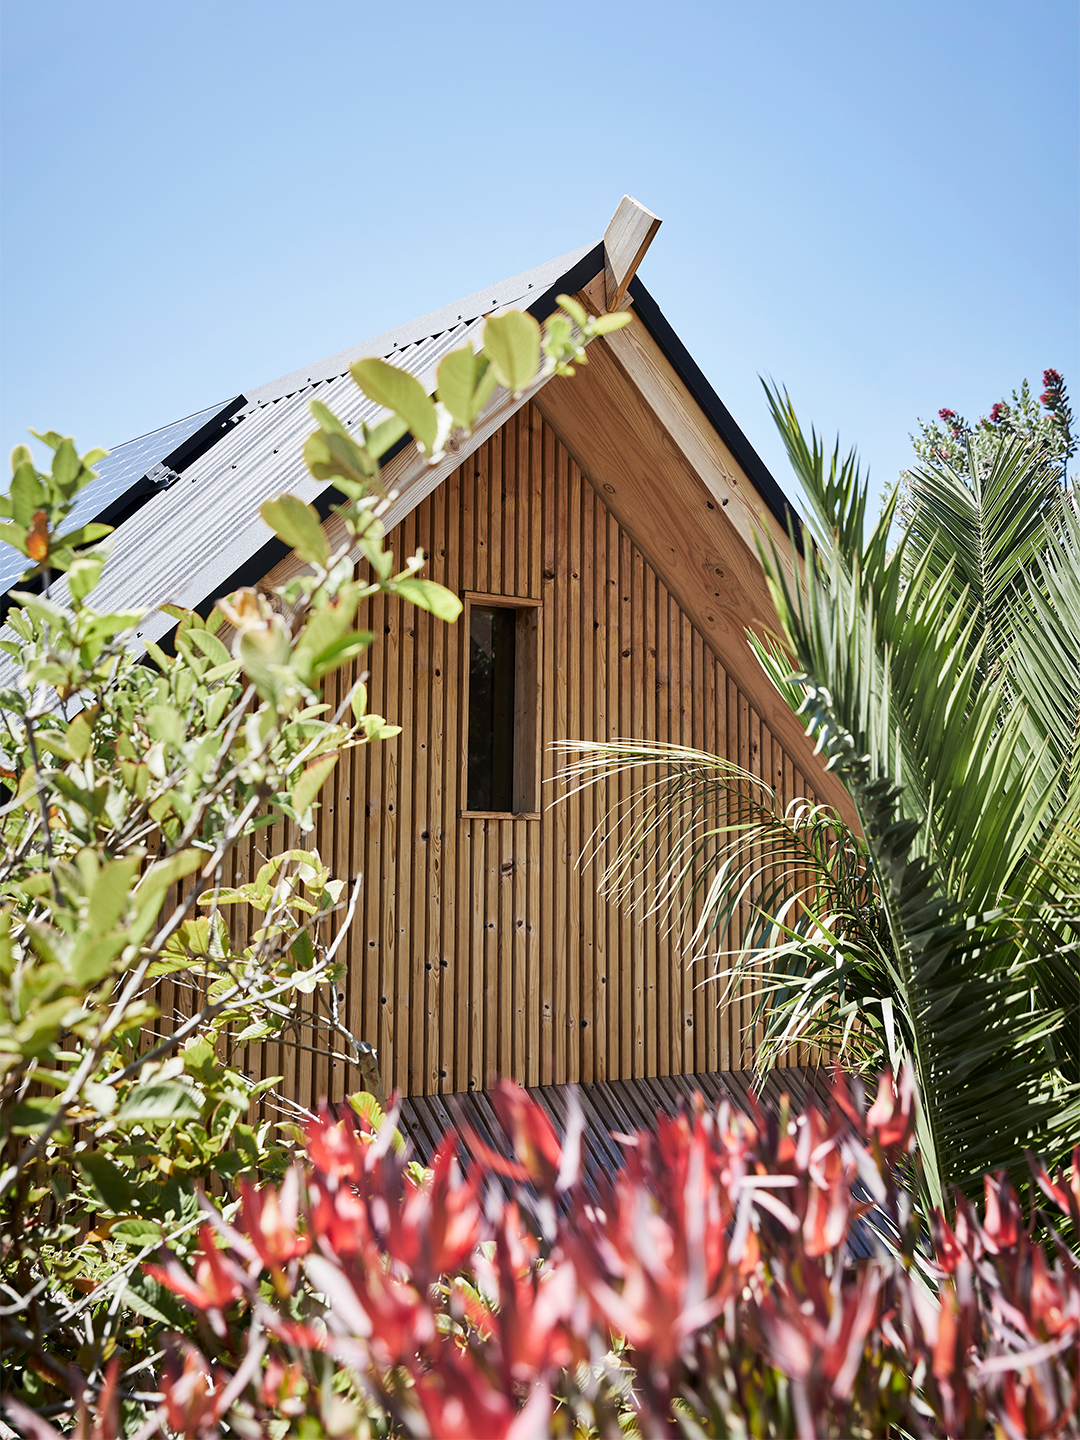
120, 476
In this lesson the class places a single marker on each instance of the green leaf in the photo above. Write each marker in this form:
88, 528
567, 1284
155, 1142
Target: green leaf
102, 1098
159, 1103
136, 1233
93, 956
32, 1114
48, 437
328, 421
311, 781
110, 893
605, 324
84, 535
165, 873
163, 723
110, 1182
264, 653
429, 595
400, 392
66, 464
194, 940
364, 1104
147, 1296
27, 495
574, 309
462, 387
199, 1060
385, 434
210, 646
13, 535
512, 344
302, 950
325, 464
84, 574
340, 653
299, 526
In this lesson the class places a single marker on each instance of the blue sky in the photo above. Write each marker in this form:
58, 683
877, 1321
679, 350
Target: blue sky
877, 205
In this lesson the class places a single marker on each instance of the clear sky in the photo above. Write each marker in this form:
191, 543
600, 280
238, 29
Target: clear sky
875, 204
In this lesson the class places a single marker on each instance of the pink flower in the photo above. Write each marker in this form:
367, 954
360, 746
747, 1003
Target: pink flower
1055, 386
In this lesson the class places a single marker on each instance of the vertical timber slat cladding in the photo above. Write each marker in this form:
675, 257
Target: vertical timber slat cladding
479, 947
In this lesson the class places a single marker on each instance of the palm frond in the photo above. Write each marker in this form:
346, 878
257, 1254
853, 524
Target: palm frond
984, 528
775, 903
950, 928
1043, 657
885, 680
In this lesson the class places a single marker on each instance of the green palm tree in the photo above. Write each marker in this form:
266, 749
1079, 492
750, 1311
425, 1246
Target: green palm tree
941, 679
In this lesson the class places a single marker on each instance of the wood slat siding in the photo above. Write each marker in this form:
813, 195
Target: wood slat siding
478, 947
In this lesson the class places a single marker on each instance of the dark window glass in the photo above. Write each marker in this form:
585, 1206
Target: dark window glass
491, 707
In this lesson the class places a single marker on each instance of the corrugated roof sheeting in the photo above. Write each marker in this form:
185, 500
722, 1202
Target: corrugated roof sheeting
529, 285
117, 474
183, 545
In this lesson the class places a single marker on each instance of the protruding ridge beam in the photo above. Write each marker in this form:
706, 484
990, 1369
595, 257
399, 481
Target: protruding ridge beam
628, 235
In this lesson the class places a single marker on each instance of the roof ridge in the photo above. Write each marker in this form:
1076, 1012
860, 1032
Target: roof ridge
469, 307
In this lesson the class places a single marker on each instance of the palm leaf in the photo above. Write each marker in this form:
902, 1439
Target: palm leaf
774, 903
894, 690
971, 858
984, 528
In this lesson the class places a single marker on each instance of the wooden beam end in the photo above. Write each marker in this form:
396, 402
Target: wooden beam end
628, 235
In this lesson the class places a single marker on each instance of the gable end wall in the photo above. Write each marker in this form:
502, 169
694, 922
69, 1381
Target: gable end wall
479, 947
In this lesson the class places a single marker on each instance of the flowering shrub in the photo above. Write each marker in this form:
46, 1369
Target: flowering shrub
741, 1275
1045, 424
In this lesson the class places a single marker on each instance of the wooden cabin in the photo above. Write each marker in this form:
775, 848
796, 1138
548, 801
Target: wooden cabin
599, 530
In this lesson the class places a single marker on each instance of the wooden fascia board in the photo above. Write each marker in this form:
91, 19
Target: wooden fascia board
617, 422
646, 366
649, 370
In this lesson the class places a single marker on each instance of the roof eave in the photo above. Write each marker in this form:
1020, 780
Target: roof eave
720, 417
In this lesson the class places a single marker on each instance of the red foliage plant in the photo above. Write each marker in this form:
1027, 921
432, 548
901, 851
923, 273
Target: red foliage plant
740, 1275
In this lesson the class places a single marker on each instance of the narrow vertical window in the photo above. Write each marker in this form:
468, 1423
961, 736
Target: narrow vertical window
491, 707
502, 764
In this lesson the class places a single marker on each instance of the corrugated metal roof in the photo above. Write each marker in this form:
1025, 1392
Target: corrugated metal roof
184, 543
119, 475
530, 284
189, 542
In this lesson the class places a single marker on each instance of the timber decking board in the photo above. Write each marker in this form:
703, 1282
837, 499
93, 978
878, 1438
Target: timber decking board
606, 1106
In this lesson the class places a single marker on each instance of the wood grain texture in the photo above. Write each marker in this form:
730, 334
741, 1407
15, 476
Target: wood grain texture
480, 946
676, 516
629, 234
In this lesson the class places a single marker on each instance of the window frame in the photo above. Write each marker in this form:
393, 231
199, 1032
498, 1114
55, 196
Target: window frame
527, 693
